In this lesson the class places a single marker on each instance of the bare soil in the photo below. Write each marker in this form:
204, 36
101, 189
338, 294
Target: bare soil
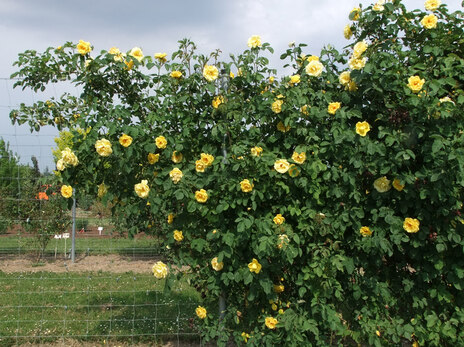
74, 343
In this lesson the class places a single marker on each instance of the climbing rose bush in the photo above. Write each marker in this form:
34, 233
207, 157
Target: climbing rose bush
275, 193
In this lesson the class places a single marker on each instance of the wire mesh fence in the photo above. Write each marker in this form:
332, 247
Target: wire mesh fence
108, 295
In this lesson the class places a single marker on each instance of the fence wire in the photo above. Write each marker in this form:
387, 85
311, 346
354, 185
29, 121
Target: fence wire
108, 296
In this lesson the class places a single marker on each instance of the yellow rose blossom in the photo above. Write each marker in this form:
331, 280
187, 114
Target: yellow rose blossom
114, 51
299, 157
66, 191
119, 57
271, 79
153, 158
103, 147
382, 184
397, 185
161, 142
177, 157
356, 63
246, 186
429, 21
217, 101
352, 87
102, 190
142, 189
333, 107
176, 74
170, 218
254, 41
125, 140
411, 225
281, 165
312, 58
432, 5
83, 47
217, 266
344, 78
254, 266
137, 53
279, 288
178, 236
256, 151
293, 171
415, 83
281, 127
207, 159
355, 13
176, 175
279, 219
200, 166
277, 106
231, 75
378, 7
365, 231
283, 241
271, 322
60, 165
362, 128
294, 79
359, 48
305, 109
201, 312
314, 68
210, 73
160, 270
347, 33
161, 57
68, 157
201, 196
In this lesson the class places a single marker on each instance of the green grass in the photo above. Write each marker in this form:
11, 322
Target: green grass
44, 307
143, 246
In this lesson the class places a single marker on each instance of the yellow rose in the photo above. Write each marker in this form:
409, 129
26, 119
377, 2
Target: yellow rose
378, 7
254, 41
355, 13
415, 83
114, 51
254, 266
60, 165
271, 79
201, 312
432, 5
177, 157
411, 225
176, 175
161, 142
312, 58
281, 127
299, 157
279, 219
365, 231
382, 184
125, 140
217, 101
344, 78
200, 166
201, 196
279, 288
142, 189
153, 158
347, 33
271, 322
362, 128
170, 218
102, 190
215, 265
293, 170
207, 159
429, 21
397, 185
231, 75
210, 73
294, 79
352, 87
119, 56
178, 236
359, 48
103, 147
176, 74
314, 68
161, 57
160, 270
66, 191
283, 241
256, 151
137, 53
281, 165
69, 158
305, 109
83, 47
246, 186
357, 64
129, 64
277, 106
333, 107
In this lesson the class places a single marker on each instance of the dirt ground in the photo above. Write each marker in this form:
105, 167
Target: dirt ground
106, 263
74, 343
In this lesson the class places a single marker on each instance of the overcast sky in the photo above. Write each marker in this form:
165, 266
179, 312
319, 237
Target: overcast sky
156, 26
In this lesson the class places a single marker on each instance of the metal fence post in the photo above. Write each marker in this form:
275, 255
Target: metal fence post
73, 241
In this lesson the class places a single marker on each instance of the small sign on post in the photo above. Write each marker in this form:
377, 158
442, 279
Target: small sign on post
100, 229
